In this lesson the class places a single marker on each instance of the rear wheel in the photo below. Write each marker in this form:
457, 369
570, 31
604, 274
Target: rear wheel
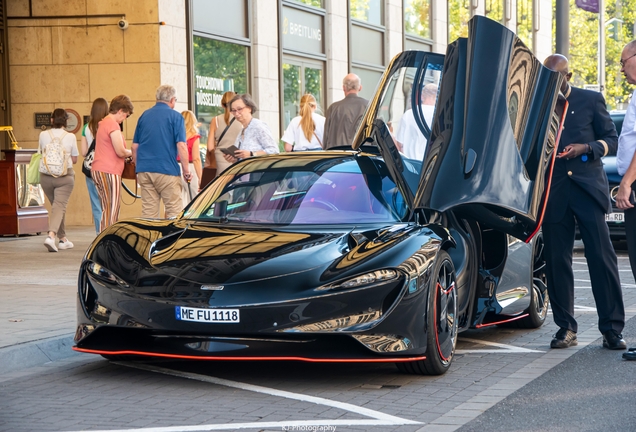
539, 298
441, 331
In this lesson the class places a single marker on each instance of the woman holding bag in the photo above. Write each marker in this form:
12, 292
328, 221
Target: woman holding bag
110, 153
58, 188
192, 140
99, 110
223, 132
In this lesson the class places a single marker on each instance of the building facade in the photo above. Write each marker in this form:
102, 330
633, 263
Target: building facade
66, 53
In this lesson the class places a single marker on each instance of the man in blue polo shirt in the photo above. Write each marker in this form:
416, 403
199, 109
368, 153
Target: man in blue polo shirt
160, 135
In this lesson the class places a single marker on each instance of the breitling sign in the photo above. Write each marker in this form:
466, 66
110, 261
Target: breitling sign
303, 30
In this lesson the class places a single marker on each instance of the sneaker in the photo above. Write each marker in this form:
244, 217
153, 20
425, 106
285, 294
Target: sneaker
564, 338
65, 244
49, 243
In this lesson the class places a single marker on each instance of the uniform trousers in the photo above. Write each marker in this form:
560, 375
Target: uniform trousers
599, 253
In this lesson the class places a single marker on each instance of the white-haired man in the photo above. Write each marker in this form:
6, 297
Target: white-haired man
343, 116
159, 137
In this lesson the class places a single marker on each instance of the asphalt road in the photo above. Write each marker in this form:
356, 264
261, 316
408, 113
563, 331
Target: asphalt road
594, 390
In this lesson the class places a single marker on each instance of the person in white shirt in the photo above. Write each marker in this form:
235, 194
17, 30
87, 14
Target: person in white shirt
410, 139
305, 132
58, 187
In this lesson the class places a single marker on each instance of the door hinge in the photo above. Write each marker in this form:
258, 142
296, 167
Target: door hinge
3, 104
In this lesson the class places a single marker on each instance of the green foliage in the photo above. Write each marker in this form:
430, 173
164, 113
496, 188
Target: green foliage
314, 3
458, 17
417, 17
223, 60
584, 48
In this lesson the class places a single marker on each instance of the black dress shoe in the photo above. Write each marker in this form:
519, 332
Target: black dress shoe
613, 340
630, 355
564, 338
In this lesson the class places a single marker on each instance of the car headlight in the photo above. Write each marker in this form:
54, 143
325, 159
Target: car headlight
102, 273
370, 278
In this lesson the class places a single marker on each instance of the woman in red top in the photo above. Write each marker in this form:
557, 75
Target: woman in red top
192, 138
110, 154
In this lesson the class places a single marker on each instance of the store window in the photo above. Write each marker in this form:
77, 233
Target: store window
495, 10
314, 3
218, 67
366, 44
417, 17
303, 65
524, 21
219, 56
300, 77
458, 17
369, 11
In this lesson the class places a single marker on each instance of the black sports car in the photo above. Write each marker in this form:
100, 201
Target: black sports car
356, 255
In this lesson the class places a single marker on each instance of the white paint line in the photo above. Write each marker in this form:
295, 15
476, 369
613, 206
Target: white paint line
377, 418
299, 424
584, 308
504, 348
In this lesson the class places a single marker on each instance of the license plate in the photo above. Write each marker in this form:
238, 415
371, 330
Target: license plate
615, 217
207, 315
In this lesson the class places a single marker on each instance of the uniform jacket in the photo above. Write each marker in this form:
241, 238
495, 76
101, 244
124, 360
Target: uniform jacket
343, 117
587, 122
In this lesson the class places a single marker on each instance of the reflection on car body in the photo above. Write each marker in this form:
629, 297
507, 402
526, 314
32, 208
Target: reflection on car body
362, 255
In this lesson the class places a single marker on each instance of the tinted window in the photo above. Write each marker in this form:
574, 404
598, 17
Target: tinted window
334, 193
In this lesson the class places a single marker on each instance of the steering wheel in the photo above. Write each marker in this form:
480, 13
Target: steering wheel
320, 203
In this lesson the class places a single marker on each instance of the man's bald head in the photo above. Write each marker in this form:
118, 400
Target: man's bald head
559, 63
351, 84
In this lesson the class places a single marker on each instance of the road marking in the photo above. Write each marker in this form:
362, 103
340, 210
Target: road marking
584, 308
503, 348
377, 418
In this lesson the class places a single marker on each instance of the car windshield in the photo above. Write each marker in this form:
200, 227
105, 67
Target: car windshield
327, 192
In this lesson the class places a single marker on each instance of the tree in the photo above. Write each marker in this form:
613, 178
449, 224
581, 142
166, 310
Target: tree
584, 48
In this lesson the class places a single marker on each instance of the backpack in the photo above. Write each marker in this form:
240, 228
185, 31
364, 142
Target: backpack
54, 158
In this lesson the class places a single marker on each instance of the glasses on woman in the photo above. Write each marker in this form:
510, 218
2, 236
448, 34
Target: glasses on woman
234, 111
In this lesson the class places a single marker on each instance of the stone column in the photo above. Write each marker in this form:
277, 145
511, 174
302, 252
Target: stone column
173, 58
337, 49
440, 26
394, 23
265, 63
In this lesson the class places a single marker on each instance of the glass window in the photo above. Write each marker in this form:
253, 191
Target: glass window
524, 21
300, 77
221, 17
458, 17
369, 79
314, 3
417, 17
311, 191
218, 67
495, 10
367, 10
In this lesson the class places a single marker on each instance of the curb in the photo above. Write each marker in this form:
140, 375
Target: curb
22, 356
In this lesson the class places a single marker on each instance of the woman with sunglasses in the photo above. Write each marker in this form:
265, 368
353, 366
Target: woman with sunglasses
255, 139
305, 131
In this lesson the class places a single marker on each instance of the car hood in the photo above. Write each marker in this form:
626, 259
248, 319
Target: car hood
140, 252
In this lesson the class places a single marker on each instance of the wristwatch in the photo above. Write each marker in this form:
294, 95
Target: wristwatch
251, 153
589, 149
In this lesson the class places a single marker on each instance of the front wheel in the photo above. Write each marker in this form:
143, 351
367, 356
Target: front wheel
441, 321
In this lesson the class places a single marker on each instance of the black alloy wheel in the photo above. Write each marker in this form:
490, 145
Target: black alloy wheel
441, 321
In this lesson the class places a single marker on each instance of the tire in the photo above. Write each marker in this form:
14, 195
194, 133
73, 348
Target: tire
441, 321
539, 299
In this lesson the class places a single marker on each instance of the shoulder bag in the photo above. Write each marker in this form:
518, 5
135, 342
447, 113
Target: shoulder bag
33, 170
210, 173
88, 160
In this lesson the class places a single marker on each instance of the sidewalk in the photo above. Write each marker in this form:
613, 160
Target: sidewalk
38, 292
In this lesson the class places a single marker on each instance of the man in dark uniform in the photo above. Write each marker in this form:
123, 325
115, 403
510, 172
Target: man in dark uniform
579, 192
